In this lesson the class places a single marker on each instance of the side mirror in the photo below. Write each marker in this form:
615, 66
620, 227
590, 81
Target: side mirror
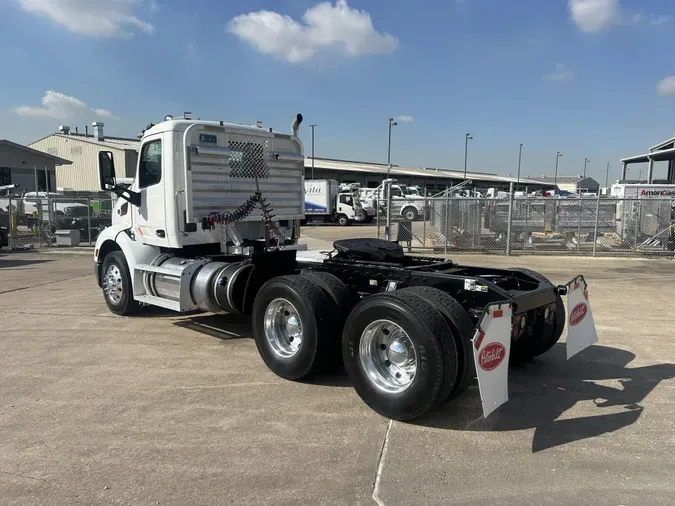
106, 170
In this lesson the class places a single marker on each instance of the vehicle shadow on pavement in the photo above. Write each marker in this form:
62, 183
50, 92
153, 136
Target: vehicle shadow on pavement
7, 262
225, 327
542, 391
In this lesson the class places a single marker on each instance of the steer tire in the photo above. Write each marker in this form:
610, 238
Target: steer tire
317, 315
126, 305
409, 214
462, 331
434, 349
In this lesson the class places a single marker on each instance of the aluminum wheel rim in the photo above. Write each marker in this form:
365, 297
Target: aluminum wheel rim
283, 328
388, 357
112, 284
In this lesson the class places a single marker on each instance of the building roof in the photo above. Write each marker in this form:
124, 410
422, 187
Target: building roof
667, 143
107, 142
423, 172
562, 179
57, 160
657, 156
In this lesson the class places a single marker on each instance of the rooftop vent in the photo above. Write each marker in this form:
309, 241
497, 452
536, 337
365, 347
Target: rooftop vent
98, 130
64, 129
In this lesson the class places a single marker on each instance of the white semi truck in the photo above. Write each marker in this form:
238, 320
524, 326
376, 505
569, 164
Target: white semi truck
329, 202
211, 223
409, 206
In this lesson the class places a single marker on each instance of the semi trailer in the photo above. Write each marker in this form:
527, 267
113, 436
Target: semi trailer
212, 223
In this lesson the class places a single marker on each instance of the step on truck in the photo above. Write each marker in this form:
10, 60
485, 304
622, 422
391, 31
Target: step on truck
212, 223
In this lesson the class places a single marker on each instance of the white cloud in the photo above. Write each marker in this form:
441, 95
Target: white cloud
59, 106
405, 119
592, 16
323, 26
562, 72
96, 18
666, 87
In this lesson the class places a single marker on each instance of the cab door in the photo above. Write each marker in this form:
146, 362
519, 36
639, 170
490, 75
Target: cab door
150, 216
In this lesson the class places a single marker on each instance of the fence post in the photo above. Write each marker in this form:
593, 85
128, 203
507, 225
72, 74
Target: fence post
89, 219
387, 230
448, 227
581, 212
637, 223
595, 230
508, 225
424, 223
12, 225
38, 207
377, 215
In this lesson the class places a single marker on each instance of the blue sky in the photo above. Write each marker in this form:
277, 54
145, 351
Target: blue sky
585, 77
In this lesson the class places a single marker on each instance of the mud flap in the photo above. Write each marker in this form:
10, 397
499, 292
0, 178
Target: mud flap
491, 348
581, 332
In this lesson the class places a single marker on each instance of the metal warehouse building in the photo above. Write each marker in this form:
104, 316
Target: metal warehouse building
82, 150
30, 169
370, 175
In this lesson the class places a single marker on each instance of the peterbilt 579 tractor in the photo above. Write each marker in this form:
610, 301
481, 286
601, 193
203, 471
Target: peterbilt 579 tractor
212, 223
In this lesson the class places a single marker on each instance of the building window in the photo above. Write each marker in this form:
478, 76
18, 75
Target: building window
5, 175
150, 166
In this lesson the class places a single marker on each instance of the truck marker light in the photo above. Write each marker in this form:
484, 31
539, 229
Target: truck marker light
479, 339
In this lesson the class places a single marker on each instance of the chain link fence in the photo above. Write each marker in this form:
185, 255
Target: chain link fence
52, 222
588, 226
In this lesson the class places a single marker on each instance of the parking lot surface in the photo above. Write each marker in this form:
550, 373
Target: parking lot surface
179, 409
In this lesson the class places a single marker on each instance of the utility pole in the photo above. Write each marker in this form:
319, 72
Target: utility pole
466, 152
555, 179
312, 127
520, 158
391, 124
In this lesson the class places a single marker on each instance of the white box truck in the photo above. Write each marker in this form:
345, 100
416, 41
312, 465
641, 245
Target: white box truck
327, 201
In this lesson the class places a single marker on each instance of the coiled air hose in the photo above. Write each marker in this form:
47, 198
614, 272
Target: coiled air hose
242, 212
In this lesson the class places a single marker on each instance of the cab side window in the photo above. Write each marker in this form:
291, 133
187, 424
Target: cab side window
150, 166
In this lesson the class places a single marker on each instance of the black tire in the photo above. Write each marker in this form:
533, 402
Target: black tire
316, 312
336, 290
545, 336
409, 214
124, 304
343, 221
434, 348
462, 328
343, 303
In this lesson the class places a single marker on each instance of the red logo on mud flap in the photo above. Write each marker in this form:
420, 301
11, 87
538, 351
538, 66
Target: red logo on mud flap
578, 314
491, 356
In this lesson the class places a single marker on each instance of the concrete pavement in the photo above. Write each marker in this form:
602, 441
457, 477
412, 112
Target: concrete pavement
168, 409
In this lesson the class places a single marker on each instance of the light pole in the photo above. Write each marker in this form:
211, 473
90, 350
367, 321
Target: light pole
520, 158
555, 179
312, 127
586, 160
391, 124
466, 152
607, 176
